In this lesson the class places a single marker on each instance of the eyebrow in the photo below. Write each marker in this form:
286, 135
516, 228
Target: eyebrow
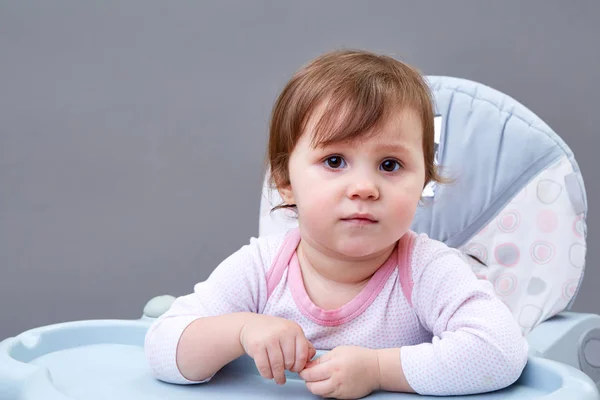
393, 147
381, 147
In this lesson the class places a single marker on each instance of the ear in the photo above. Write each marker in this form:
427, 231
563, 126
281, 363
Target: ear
286, 194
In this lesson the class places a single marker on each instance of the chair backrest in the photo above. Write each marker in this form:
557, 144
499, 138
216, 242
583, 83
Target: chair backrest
517, 202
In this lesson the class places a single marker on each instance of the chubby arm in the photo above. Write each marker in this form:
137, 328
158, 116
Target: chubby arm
209, 343
198, 334
391, 374
477, 345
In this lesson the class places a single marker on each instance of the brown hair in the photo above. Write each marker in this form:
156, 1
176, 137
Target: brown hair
361, 87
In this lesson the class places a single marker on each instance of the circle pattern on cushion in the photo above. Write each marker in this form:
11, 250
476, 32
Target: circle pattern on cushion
537, 247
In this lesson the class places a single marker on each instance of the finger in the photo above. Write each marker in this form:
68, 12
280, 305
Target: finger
311, 351
289, 353
321, 388
276, 362
302, 352
261, 359
315, 373
319, 360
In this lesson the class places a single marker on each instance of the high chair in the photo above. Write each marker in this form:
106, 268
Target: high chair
516, 208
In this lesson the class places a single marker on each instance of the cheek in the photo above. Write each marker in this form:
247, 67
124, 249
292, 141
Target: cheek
315, 204
309, 188
407, 201
406, 208
315, 216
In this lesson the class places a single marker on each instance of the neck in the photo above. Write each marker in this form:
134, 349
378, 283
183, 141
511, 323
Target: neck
326, 265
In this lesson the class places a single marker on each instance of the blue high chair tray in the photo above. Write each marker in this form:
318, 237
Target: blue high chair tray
105, 359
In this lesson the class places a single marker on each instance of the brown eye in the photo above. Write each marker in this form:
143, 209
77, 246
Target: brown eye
335, 162
390, 165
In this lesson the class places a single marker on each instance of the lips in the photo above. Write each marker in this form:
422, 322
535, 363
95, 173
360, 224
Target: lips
361, 217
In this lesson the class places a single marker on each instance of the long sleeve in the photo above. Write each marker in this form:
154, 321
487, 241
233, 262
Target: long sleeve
477, 345
238, 284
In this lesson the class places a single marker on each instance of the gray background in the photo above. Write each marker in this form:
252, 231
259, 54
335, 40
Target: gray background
132, 134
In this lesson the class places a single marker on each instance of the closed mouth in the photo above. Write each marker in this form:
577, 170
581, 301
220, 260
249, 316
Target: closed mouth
362, 218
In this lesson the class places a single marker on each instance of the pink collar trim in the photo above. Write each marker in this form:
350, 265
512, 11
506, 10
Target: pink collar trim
348, 311
287, 258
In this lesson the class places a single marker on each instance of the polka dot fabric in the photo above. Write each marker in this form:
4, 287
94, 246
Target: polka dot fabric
457, 338
471, 346
534, 250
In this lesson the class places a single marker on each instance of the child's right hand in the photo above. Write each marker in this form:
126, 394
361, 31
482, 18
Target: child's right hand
275, 344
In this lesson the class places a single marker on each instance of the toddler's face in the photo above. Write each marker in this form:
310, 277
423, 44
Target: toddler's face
357, 199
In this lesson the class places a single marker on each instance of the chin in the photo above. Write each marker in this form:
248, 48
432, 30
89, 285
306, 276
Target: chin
357, 248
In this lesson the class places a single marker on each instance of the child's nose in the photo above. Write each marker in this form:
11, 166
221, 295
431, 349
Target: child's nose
364, 189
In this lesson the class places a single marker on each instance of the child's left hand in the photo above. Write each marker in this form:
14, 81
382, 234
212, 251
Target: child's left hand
346, 372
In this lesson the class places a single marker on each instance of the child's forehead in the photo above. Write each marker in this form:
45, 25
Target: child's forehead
378, 141
395, 129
